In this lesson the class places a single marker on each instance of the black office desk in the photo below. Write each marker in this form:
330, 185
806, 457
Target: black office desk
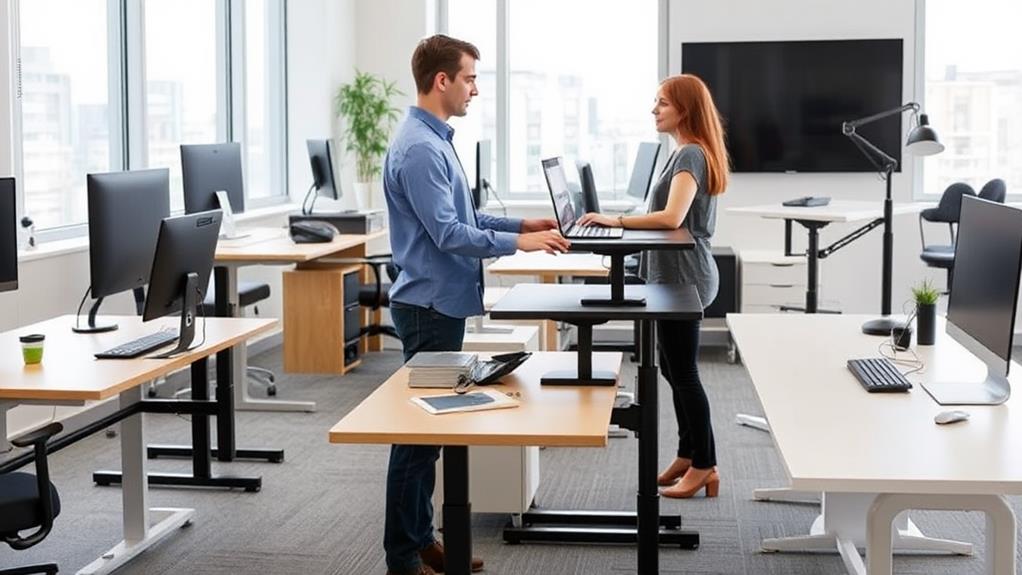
563, 302
632, 242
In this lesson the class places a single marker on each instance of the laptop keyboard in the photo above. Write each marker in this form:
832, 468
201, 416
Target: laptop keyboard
595, 232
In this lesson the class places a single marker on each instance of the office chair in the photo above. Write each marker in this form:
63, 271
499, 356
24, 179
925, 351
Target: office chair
249, 294
995, 190
947, 211
377, 294
21, 506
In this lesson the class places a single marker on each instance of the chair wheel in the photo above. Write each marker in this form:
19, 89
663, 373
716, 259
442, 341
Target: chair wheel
151, 392
271, 390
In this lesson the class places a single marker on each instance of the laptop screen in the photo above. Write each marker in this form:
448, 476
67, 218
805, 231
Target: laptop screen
557, 182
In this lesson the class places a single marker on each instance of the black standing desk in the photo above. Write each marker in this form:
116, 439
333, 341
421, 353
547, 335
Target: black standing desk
564, 302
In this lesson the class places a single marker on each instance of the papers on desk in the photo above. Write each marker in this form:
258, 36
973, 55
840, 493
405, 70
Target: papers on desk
439, 368
454, 402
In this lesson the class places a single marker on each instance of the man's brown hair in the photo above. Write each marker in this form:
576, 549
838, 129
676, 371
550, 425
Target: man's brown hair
436, 54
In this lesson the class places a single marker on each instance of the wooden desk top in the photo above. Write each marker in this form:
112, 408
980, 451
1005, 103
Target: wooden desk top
834, 436
272, 245
544, 264
835, 211
564, 416
70, 372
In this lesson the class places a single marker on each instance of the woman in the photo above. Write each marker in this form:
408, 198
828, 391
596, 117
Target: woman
685, 195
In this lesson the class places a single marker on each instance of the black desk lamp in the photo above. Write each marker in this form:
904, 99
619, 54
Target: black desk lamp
922, 141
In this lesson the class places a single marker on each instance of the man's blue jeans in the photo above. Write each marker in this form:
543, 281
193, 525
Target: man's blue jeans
412, 472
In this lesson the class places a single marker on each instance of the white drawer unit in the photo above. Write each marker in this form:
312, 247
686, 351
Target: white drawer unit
770, 280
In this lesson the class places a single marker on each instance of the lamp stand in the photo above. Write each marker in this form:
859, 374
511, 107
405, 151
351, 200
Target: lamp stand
885, 324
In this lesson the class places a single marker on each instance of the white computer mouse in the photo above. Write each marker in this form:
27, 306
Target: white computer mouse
945, 417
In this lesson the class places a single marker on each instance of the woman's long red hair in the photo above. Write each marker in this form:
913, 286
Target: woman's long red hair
700, 123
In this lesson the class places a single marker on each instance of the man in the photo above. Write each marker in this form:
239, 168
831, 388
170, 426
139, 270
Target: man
438, 240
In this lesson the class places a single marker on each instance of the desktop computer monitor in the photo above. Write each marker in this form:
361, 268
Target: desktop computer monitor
642, 170
8, 236
323, 181
984, 292
208, 168
180, 270
484, 165
125, 210
590, 199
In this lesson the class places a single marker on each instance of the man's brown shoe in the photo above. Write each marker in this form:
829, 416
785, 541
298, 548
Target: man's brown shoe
422, 570
433, 555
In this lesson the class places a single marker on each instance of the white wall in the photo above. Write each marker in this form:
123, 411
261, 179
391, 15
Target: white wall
852, 275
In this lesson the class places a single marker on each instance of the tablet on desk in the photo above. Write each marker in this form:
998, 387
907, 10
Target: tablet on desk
455, 402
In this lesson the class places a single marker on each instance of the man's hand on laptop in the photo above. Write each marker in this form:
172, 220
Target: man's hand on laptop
594, 219
550, 241
538, 225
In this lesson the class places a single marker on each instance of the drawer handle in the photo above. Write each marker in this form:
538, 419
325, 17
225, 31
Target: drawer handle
782, 285
783, 265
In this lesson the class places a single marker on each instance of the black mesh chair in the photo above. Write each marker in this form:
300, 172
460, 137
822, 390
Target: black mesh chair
22, 507
249, 294
376, 295
995, 190
947, 211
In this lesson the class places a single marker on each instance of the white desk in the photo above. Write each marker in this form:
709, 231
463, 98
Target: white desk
815, 218
876, 455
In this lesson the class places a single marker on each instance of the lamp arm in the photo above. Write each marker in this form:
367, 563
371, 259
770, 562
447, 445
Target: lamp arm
849, 127
886, 163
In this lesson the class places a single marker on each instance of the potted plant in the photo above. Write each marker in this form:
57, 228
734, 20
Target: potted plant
365, 106
926, 312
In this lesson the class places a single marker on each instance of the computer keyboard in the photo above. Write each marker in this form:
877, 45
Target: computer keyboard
595, 232
877, 374
137, 347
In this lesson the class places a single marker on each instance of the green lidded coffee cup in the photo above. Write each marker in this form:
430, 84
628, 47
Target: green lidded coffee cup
32, 348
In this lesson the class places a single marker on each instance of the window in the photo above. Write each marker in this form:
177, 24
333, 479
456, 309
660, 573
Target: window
106, 85
973, 79
65, 116
570, 92
263, 131
181, 83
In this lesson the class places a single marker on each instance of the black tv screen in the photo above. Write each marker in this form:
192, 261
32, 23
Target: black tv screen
783, 102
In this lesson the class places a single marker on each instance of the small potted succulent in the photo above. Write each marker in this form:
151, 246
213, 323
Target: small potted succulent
926, 312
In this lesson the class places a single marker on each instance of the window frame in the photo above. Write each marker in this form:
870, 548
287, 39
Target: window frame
502, 141
127, 95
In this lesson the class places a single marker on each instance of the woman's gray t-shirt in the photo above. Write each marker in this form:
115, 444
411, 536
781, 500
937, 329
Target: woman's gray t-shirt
691, 267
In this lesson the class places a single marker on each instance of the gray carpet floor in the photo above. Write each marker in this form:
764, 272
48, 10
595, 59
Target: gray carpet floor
320, 512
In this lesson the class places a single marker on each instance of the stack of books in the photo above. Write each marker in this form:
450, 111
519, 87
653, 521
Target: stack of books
439, 368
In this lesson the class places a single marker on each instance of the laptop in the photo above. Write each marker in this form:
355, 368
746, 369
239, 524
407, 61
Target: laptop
564, 210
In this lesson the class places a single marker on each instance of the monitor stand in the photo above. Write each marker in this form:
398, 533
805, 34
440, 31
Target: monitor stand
994, 390
189, 309
139, 294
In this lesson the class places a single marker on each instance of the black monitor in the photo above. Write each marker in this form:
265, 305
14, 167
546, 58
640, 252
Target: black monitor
590, 199
8, 236
323, 181
484, 177
984, 292
209, 168
125, 210
642, 170
180, 272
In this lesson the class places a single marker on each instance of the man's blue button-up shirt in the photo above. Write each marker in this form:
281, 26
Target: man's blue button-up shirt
437, 237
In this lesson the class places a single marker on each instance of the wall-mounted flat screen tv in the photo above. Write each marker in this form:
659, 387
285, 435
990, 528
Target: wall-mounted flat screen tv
783, 102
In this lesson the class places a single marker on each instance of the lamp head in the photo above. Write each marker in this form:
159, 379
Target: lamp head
922, 140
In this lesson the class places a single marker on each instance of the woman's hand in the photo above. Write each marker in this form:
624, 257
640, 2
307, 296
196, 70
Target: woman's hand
594, 219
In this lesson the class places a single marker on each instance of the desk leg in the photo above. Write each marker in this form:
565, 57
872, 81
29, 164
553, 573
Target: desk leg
1000, 527
647, 502
457, 512
139, 535
550, 333
842, 527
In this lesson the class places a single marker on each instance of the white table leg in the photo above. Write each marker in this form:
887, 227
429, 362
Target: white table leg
242, 400
753, 421
1000, 534
842, 527
139, 535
